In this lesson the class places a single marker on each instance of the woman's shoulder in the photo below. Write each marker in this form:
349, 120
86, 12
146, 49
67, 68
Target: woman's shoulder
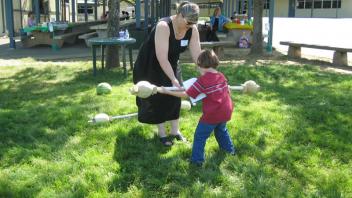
163, 27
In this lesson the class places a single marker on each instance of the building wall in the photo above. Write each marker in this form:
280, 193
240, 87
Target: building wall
346, 9
281, 10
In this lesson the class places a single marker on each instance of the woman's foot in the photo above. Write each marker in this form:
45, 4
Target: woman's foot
179, 137
165, 141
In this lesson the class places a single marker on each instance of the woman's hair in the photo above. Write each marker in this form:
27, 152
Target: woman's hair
208, 58
30, 13
216, 10
190, 11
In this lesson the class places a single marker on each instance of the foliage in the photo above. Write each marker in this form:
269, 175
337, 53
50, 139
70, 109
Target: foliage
293, 139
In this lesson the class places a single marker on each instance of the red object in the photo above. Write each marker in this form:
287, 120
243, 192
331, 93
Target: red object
217, 106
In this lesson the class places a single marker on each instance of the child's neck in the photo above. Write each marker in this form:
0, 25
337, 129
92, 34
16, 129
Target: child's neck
205, 70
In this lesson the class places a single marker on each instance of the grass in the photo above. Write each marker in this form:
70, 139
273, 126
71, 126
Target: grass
293, 138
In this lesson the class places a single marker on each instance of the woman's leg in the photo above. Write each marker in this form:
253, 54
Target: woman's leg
162, 134
175, 130
174, 127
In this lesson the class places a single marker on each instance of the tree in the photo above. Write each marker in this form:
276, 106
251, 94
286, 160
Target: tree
257, 47
112, 53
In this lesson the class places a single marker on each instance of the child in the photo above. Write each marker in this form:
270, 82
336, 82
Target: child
217, 106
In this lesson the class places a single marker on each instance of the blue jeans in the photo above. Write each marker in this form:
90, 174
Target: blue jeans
201, 135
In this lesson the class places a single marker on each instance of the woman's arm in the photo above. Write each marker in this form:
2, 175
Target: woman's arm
162, 34
194, 45
180, 94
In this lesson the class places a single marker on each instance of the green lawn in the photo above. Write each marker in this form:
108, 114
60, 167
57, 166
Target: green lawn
293, 138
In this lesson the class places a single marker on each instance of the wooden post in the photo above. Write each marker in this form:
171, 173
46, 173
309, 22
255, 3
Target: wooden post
146, 16
294, 51
3, 16
269, 47
37, 11
96, 10
232, 7
10, 23
152, 13
73, 10
250, 9
85, 11
104, 4
138, 14
57, 10
340, 58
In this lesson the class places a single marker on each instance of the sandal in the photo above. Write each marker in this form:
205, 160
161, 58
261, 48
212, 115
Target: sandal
179, 137
165, 141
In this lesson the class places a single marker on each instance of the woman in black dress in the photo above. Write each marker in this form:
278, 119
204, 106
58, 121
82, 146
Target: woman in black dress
157, 63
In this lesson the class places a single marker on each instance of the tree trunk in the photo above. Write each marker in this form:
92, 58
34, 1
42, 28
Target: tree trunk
112, 52
257, 47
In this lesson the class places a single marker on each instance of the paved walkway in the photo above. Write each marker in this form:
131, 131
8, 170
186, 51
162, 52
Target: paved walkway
42, 52
333, 32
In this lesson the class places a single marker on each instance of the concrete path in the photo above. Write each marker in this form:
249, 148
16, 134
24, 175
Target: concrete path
332, 32
42, 52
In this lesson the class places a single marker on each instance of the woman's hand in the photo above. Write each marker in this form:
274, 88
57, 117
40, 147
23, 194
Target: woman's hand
163, 90
175, 83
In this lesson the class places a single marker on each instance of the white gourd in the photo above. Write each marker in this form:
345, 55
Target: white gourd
186, 105
101, 117
143, 89
250, 87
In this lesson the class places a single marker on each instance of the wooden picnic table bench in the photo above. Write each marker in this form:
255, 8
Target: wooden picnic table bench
97, 41
87, 36
217, 46
56, 33
340, 53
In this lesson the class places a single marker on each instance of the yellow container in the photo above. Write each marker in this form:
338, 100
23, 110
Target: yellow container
231, 26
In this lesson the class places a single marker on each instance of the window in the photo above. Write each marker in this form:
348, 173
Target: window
267, 4
317, 3
309, 4
326, 4
336, 4
300, 4
80, 9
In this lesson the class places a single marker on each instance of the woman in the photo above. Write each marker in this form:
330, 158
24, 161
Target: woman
31, 19
157, 62
217, 22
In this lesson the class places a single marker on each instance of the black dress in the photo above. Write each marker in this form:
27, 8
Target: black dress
159, 108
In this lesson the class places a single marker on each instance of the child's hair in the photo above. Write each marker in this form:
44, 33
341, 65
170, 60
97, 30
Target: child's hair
30, 13
208, 59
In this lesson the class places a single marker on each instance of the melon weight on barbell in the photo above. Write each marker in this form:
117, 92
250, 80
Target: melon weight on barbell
103, 88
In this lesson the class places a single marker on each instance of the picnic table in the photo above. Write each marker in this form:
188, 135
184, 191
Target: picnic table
235, 31
102, 29
103, 42
55, 34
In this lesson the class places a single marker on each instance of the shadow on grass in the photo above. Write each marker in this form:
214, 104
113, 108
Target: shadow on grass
156, 171
318, 105
40, 111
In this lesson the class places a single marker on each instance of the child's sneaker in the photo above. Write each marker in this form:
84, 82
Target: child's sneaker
197, 164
